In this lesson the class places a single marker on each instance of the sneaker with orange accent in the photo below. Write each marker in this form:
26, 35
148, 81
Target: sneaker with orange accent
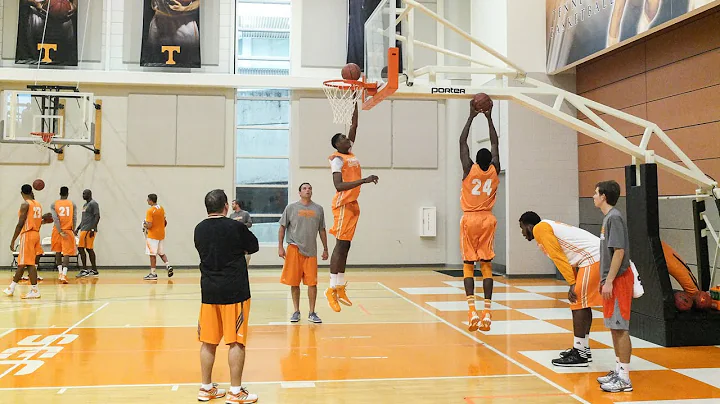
8, 292
32, 294
331, 295
473, 320
63, 279
214, 392
486, 321
342, 297
242, 397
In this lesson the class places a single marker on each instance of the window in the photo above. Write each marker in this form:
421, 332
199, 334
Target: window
262, 158
263, 37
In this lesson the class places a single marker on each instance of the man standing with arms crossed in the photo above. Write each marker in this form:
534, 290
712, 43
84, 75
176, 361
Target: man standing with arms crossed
347, 178
304, 220
64, 215
87, 230
225, 289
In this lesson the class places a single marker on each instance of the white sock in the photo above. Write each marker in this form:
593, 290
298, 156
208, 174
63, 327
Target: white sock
167, 264
340, 279
586, 342
206, 386
59, 267
333, 280
578, 344
64, 271
34, 288
617, 365
152, 270
624, 371
235, 390
12, 286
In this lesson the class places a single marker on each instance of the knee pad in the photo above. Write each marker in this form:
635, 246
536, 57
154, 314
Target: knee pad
486, 269
468, 270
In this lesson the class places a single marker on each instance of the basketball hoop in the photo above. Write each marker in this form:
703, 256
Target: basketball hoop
343, 95
42, 140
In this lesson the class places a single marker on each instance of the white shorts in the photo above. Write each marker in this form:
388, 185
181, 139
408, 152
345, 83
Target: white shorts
154, 247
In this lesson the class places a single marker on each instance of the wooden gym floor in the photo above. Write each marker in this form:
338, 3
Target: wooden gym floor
120, 339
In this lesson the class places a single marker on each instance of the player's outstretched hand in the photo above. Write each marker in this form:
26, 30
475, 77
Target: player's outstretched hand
473, 112
372, 178
488, 113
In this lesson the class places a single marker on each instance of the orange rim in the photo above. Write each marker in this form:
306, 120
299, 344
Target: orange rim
46, 136
344, 84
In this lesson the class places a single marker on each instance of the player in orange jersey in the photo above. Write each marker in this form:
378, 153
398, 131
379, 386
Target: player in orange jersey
30, 218
576, 254
477, 226
347, 178
154, 226
64, 213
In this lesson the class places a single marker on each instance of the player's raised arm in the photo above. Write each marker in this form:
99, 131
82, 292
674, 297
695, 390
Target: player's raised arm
354, 125
464, 148
494, 142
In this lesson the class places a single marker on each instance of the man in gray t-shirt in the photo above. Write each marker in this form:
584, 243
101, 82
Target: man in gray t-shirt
240, 215
617, 284
300, 224
86, 234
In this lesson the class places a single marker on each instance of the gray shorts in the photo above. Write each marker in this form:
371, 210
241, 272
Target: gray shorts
616, 321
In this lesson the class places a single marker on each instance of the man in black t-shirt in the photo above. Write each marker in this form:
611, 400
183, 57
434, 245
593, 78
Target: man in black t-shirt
225, 289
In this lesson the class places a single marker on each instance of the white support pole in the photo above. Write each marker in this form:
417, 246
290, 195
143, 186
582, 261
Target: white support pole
558, 102
426, 45
465, 35
697, 196
440, 32
410, 44
646, 137
673, 148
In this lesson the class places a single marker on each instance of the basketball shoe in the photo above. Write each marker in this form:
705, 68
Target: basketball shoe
473, 320
331, 295
342, 296
243, 397
486, 321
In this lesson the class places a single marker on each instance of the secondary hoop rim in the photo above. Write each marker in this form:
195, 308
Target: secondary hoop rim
47, 137
345, 84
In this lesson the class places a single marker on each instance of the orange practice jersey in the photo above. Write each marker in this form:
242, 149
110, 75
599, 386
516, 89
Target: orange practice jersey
479, 189
156, 215
350, 172
65, 212
34, 217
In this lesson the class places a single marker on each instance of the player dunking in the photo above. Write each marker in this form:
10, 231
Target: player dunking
347, 178
477, 226
30, 218
64, 215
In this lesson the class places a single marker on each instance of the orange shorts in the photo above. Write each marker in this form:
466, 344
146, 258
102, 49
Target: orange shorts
65, 245
346, 218
86, 241
297, 267
224, 321
29, 248
622, 299
587, 287
477, 236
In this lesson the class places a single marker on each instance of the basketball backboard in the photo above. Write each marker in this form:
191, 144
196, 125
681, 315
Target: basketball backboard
382, 57
68, 115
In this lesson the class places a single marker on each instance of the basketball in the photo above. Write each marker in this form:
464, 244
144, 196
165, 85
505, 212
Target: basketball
351, 71
702, 300
59, 8
47, 218
683, 301
38, 184
482, 102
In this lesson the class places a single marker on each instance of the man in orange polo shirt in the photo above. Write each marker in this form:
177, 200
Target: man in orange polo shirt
154, 225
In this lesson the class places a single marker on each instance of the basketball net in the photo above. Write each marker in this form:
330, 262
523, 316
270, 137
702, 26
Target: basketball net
42, 140
343, 95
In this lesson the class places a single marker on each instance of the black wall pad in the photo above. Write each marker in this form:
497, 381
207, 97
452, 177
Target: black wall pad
654, 317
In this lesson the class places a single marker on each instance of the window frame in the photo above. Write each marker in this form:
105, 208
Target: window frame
274, 71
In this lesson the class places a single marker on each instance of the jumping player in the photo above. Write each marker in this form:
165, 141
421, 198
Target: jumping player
477, 226
347, 178
30, 218
64, 215
576, 254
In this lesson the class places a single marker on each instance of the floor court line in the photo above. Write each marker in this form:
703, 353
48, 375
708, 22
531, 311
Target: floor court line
392, 379
497, 351
7, 332
48, 344
287, 323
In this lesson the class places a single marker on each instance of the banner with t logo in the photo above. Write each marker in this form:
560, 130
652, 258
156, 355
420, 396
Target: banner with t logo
171, 33
47, 32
